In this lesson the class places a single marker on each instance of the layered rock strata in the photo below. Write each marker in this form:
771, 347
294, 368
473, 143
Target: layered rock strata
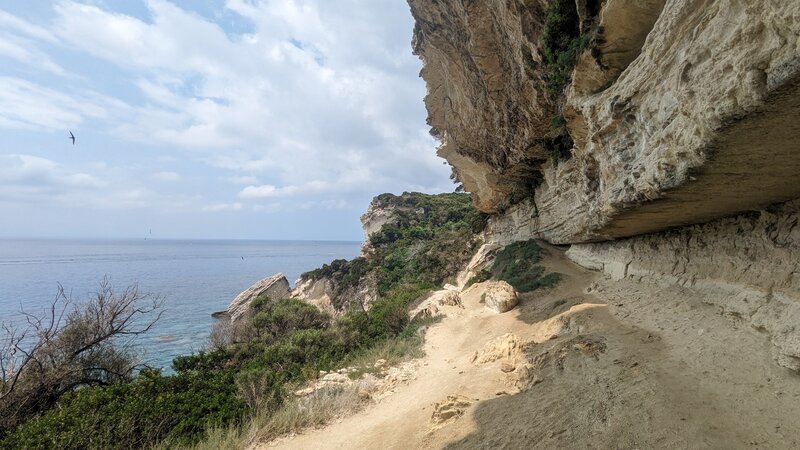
748, 266
684, 115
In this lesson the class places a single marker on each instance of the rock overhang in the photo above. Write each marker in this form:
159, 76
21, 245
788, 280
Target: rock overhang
679, 118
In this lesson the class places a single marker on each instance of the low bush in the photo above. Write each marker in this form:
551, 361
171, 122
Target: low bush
517, 264
562, 43
242, 380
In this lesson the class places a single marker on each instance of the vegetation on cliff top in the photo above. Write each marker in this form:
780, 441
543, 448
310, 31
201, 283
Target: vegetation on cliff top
280, 344
429, 238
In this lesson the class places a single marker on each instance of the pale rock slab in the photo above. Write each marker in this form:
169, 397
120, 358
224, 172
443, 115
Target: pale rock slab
499, 296
276, 287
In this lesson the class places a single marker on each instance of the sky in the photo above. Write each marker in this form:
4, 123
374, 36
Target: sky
240, 119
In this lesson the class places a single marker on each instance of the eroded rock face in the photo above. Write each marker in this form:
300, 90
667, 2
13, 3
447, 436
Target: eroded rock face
318, 292
382, 211
683, 115
275, 287
748, 265
323, 293
485, 96
433, 305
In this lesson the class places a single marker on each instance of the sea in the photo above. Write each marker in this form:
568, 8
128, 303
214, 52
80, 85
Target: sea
195, 278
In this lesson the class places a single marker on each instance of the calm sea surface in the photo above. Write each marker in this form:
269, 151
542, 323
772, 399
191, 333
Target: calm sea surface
195, 278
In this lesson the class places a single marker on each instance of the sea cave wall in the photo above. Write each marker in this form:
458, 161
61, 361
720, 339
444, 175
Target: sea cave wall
679, 112
659, 138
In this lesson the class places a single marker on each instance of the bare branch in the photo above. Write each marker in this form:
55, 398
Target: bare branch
71, 345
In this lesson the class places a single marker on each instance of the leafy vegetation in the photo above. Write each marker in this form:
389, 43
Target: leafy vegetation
517, 264
290, 343
215, 397
70, 346
428, 241
562, 41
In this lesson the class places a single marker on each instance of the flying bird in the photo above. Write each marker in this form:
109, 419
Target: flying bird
72, 136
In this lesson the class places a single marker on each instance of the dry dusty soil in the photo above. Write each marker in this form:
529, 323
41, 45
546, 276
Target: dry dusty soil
591, 363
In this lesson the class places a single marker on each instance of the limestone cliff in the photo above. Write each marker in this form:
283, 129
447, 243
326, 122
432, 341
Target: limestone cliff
681, 118
413, 243
680, 111
748, 266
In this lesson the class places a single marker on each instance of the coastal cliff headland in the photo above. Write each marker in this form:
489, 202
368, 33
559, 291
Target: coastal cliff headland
656, 143
621, 273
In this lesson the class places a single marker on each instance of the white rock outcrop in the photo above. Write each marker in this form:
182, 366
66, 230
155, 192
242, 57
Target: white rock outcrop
276, 287
499, 296
433, 305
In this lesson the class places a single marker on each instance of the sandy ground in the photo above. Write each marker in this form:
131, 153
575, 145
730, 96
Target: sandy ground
600, 364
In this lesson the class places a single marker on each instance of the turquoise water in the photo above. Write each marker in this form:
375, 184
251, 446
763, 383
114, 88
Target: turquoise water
195, 278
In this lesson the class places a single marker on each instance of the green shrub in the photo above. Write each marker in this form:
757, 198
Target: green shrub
285, 342
562, 43
517, 264
134, 415
275, 320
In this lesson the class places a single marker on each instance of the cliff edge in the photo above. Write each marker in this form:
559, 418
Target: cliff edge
577, 121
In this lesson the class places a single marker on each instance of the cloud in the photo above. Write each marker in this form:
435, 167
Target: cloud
265, 191
166, 176
24, 104
23, 27
243, 179
28, 179
269, 191
312, 86
36, 174
220, 207
317, 101
24, 51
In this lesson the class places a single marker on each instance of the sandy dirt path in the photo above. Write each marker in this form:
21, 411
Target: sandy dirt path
612, 364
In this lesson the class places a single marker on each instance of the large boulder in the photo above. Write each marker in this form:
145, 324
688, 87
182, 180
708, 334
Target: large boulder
275, 287
499, 296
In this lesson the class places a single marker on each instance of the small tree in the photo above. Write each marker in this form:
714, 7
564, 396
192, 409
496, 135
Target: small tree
71, 345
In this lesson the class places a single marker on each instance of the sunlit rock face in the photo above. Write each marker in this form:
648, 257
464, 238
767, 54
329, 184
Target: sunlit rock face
680, 112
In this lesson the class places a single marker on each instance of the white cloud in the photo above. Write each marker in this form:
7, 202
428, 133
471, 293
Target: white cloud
35, 174
265, 190
243, 179
26, 52
166, 176
220, 207
24, 104
12, 22
270, 191
314, 100
314, 84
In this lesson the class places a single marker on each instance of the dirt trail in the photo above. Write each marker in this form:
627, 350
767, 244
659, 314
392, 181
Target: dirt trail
601, 364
